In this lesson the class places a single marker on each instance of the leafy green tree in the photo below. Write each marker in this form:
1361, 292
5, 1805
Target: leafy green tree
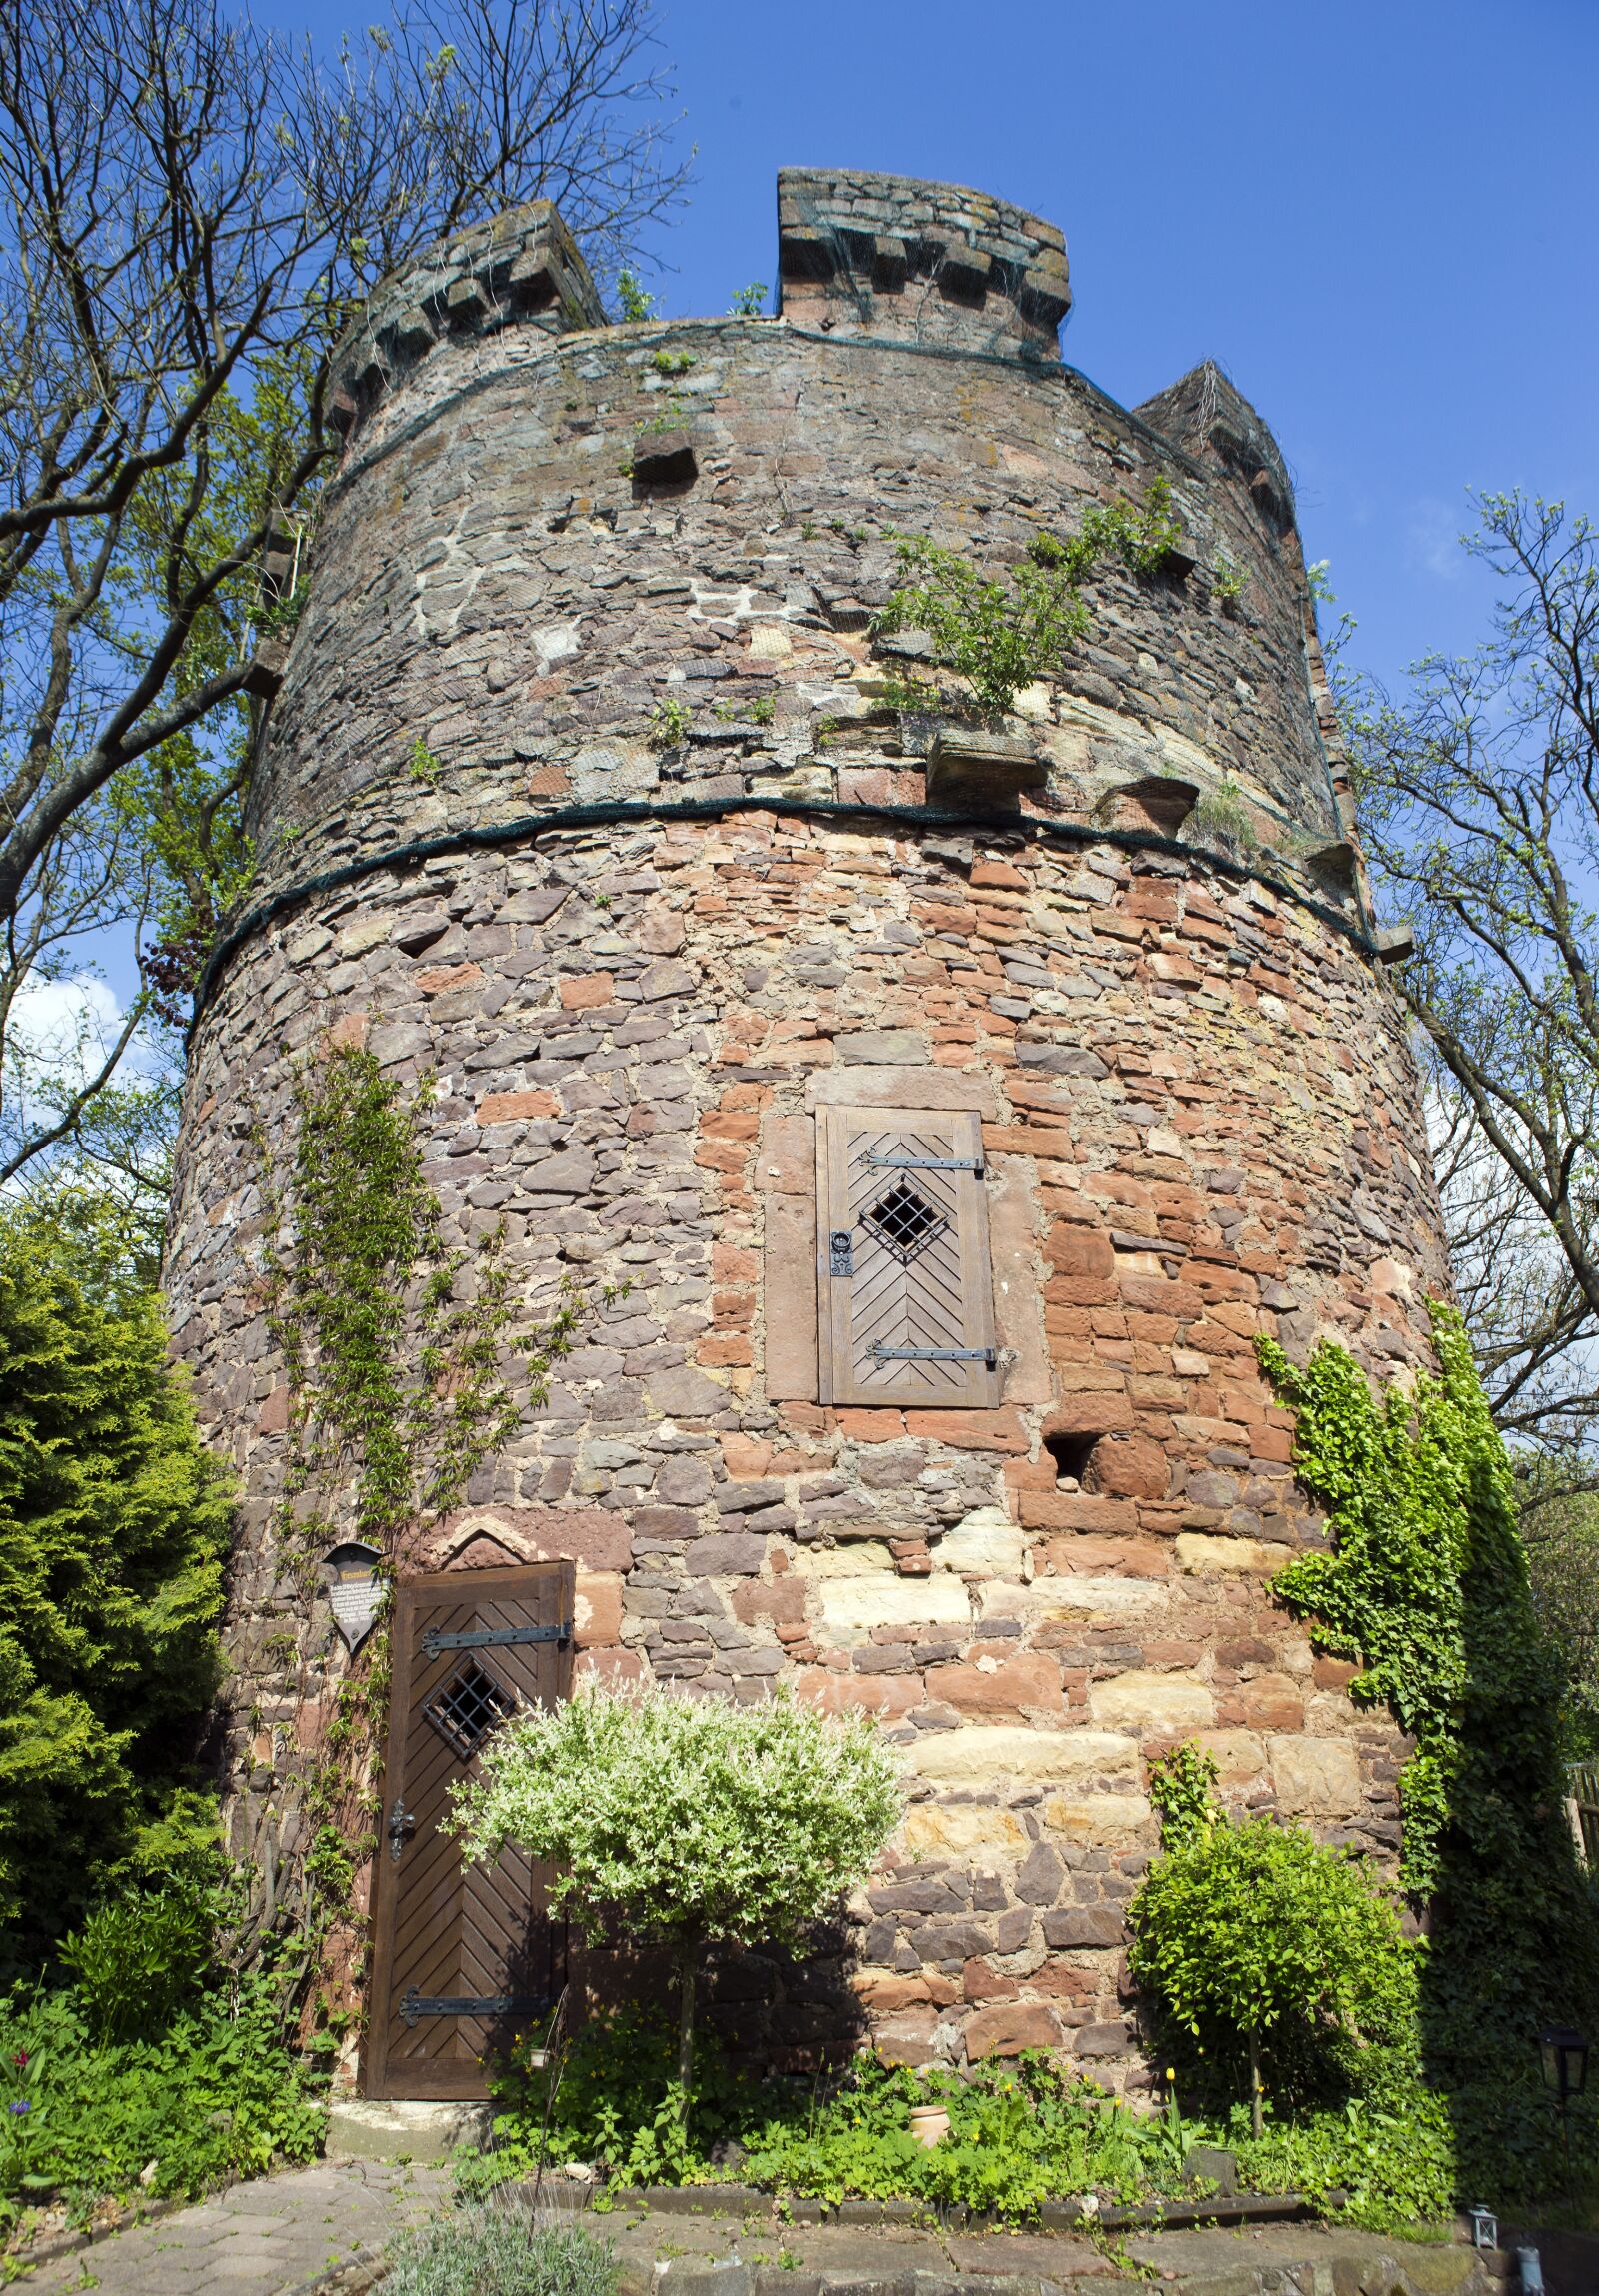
686, 1821
1252, 1931
113, 1530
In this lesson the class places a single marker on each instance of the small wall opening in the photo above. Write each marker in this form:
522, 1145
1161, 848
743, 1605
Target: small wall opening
1073, 1457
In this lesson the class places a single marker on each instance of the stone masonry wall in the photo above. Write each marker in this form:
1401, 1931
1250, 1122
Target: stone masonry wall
1199, 1110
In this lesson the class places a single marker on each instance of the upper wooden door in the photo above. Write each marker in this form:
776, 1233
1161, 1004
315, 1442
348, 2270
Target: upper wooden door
903, 1273
464, 1955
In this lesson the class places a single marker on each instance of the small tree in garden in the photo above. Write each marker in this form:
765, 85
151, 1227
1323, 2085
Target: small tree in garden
687, 1821
1250, 1930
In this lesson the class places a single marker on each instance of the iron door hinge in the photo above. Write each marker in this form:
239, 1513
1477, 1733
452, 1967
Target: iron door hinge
492, 1637
417, 2006
988, 1355
926, 1162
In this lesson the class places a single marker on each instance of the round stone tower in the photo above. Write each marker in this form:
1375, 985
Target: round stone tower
932, 1116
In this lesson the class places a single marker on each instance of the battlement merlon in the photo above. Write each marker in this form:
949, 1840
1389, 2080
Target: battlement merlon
891, 255
521, 267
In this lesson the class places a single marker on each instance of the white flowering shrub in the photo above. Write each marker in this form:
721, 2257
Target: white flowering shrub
684, 1821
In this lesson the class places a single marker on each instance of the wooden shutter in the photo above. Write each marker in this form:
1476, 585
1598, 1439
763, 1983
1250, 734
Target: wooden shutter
464, 1956
906, 1288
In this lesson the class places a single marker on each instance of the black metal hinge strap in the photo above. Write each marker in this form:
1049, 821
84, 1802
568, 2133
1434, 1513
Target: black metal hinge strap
986, 1356
492, 1637
418, 2005
926, 1162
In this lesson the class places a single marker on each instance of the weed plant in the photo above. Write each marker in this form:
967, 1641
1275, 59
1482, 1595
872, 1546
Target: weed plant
500, 2247
206, 2094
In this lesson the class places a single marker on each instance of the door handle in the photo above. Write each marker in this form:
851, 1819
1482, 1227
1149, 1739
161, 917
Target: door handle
402, 1823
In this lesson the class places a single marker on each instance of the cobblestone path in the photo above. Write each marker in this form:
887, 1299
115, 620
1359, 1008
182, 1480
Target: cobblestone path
267, 2238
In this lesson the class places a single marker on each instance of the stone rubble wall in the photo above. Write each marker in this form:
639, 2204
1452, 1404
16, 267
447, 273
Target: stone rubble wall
1199, 1110
630, 1034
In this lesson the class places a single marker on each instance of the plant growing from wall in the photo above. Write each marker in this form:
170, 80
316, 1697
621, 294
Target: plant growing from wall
1427, 1592
394, 1345
1254, 1936
687, 1821
670, 722
1003, 633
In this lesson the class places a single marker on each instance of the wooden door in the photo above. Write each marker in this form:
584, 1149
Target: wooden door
464, 1956
905, 1281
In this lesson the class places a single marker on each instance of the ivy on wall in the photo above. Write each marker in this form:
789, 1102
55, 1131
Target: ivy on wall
397, 1348
1426, 1591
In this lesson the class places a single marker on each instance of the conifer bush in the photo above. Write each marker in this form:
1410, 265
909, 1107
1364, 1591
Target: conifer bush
687, 1821
113, 1528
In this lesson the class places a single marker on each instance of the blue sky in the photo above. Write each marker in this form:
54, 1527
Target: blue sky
1380, 219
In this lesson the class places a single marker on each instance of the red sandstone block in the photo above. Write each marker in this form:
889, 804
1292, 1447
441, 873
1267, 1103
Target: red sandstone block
729, 1123
1030, 1679
1090, 1552
731, 1264
1079, 1250
1029, 1140
721, 1155
723, 1348
438, 978
870, 1426
877, 1693
1161, 1297
1080, 1291
970, 1430
1008, 2028
580, 990
1167, 966
1091, 1413
505, 1108
1332, 1673
1076, 1510
1131, 1467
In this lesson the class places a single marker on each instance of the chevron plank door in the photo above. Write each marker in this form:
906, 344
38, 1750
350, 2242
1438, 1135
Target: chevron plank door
464, 1956
905, 1281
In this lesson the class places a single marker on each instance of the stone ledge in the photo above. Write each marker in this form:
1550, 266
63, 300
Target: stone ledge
396, 2129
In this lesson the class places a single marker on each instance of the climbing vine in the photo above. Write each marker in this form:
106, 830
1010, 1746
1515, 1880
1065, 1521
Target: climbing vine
1002, 634
1426, 1591
394, 1344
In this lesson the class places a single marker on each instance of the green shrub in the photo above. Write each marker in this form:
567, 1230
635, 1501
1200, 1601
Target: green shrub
1256, 1940
113, 1528
1002, 635
135, 1960
501, 2248
684, 1821
211, 2095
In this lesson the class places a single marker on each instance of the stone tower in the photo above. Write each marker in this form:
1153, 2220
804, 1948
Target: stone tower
954, 1108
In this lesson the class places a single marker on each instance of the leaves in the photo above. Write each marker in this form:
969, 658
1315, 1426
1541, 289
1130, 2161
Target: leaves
1002, 635
113, 1528
684, 1819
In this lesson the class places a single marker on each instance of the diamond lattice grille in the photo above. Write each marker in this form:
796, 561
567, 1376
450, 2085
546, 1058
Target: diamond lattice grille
466, 1707
904, 1223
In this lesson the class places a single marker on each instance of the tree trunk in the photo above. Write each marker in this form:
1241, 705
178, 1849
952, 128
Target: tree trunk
1256, 2119
688, 1959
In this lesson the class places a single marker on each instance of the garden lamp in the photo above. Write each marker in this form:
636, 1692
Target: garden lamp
1565, 2064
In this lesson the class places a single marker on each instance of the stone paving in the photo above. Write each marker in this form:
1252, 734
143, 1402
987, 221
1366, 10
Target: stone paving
267, 2238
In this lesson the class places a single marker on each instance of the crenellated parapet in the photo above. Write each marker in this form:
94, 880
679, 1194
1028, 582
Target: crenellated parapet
931, 262
521, 268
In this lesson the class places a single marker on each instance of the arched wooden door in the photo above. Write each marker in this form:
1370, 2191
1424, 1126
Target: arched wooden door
464, 1956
